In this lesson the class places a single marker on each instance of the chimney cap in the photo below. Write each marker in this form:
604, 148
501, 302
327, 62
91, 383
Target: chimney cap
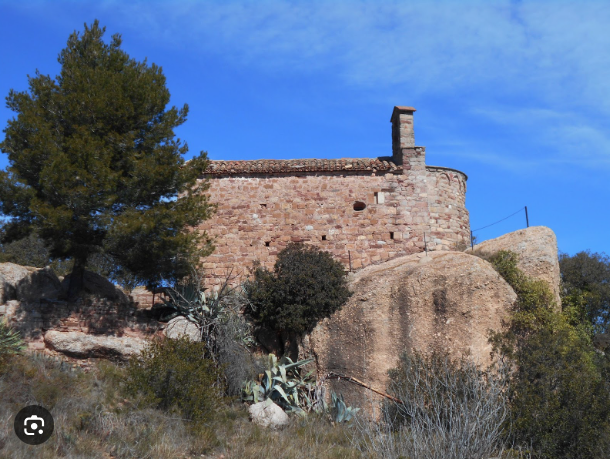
401, 109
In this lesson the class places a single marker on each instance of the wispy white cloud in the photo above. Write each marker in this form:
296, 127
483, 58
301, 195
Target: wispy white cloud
547, 47
546, 54
545, 63
555, 51
571, 137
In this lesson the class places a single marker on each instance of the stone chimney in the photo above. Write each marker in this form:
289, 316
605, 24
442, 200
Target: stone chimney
404, 151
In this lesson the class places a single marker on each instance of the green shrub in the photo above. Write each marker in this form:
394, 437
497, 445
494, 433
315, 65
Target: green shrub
560, 400
174, 374
221, 323
10, 340
560, 391
586, 277
31, 251
306, 285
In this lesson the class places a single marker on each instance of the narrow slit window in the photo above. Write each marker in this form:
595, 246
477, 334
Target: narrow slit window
391, 234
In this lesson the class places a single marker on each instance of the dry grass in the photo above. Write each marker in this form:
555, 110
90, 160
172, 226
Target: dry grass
94, 420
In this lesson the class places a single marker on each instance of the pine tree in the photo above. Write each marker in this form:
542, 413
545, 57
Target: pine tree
94, 165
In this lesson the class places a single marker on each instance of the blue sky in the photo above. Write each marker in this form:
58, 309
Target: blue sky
514, 93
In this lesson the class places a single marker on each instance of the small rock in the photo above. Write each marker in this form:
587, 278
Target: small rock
181, 326
268, 414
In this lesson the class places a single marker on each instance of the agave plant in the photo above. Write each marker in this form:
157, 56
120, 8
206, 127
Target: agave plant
10, 340
207, 310
282, 384
339, 409
190, 300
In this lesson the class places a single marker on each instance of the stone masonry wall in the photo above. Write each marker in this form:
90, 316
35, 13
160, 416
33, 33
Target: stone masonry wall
259, 215
449, 219
92, 316
363, 211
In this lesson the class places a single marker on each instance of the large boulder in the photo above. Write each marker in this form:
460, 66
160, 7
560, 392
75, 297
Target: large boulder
439, 301
536, 247
83, 345
98, 286
268, 414
25, 283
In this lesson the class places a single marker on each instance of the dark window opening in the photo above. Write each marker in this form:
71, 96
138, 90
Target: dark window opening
359, 205
324, 237
263, 206
267, 243
391, 235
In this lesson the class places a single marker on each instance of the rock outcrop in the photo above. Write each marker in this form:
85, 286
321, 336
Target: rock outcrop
104, 323
25, 283
537, 250
82, 345
443, 300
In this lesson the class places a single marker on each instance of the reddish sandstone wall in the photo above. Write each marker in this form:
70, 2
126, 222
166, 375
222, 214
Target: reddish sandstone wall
405, 206
259, 214
449, 219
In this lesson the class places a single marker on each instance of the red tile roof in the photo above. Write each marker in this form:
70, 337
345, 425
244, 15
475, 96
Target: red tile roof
272, 166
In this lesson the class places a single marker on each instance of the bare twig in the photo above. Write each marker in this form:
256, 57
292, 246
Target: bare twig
333, 375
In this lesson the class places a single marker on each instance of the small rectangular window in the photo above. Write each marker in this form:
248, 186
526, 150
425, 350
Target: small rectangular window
391, 234
324, 237
267, 243
379, 197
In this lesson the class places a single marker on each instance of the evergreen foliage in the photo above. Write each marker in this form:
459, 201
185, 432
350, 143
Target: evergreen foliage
560, 391
175, 374
94, 167
10, 340
31, 251
305, 286
586, 279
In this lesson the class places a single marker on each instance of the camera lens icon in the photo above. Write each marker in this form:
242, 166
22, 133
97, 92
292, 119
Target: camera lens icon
34, 425
31, 424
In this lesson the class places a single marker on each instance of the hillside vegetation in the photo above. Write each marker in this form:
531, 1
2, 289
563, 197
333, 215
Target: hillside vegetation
173, 400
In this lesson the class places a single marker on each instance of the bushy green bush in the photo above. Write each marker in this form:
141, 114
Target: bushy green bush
175, 374
221, 323
31, 251
560, 391
560, 399
305, 286
585, 277
10, 340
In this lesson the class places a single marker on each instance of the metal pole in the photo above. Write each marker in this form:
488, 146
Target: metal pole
527, 220
471, 241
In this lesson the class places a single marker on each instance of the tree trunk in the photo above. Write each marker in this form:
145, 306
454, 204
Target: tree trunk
290, 345
76, 278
